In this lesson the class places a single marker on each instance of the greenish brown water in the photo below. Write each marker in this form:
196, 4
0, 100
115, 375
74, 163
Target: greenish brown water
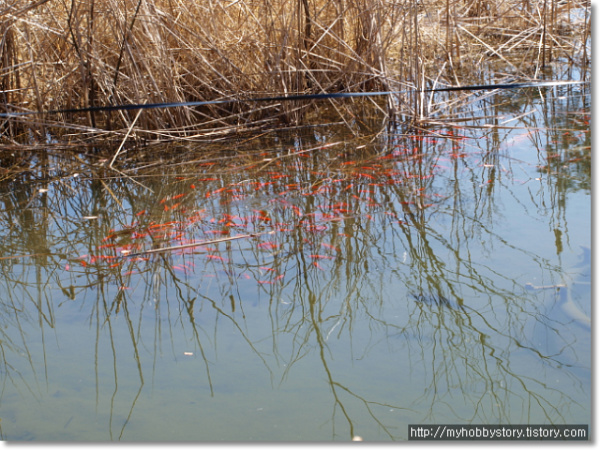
307, 285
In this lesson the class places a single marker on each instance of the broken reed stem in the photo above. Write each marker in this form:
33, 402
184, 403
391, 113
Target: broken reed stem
110, 166
30, 255
197, 244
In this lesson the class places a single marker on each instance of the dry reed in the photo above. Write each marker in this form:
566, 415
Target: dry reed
77, 54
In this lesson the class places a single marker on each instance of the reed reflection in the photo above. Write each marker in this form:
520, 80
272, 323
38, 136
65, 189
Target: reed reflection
313, 251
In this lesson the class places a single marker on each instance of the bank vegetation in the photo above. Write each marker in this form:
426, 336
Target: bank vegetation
69, 54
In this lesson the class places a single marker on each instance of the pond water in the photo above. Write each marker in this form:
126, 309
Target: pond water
308, 285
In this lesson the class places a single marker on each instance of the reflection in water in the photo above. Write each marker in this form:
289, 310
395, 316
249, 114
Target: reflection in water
304, 286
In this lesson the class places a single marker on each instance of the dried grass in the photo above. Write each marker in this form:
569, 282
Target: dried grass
76, 54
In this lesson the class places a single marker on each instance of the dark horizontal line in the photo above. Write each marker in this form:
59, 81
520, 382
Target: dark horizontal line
322, 96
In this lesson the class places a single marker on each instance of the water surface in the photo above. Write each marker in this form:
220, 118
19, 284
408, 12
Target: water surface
313, 284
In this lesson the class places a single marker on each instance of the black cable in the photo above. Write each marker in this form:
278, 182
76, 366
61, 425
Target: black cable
322, 96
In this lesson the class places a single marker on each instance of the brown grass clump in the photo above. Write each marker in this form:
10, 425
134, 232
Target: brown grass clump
77, 54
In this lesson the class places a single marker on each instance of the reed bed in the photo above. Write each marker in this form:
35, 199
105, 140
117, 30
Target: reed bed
76, 54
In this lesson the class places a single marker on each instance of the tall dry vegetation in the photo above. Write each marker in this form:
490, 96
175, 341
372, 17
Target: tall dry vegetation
58, 54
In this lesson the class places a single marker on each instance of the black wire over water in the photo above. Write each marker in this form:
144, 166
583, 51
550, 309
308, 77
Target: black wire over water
322, 96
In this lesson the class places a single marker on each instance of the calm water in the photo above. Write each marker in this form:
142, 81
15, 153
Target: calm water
311, 285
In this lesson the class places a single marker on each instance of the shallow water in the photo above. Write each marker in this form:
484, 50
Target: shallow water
313, 285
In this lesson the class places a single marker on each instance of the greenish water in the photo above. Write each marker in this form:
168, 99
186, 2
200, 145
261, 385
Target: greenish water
308, 285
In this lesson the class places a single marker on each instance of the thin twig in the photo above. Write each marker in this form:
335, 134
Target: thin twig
197, 244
